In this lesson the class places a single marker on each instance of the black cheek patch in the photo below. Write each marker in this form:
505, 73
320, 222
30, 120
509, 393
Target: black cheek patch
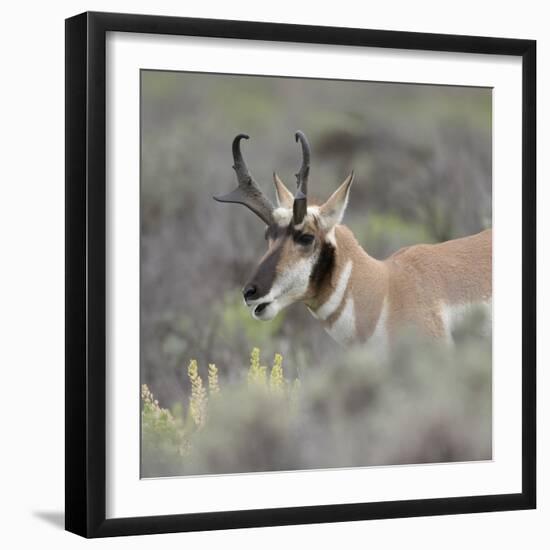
323, 267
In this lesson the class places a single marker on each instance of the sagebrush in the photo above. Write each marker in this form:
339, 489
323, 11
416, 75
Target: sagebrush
420, 403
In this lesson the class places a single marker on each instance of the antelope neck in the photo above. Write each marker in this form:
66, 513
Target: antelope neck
357, 284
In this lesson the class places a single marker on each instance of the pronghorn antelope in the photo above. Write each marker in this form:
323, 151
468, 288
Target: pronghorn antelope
312, 258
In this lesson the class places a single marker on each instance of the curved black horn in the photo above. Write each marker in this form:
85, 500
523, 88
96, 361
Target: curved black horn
303, 174
300, 199
247, 192
239, 164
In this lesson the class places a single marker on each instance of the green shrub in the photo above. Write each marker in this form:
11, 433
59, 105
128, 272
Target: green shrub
419, 403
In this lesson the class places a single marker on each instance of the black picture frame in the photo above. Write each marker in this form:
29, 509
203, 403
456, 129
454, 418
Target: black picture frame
85, 488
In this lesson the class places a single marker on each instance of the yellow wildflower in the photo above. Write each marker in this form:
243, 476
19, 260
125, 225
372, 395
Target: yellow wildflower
257, 374
276, 379
198, 399
213, 385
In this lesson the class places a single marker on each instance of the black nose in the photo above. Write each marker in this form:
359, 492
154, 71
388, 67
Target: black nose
249, 292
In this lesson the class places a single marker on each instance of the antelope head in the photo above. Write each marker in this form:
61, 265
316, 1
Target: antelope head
300, 237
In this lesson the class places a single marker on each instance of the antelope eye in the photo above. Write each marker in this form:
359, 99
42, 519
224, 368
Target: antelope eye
305, 239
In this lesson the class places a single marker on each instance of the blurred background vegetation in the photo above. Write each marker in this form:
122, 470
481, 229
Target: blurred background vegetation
418, 404
422, 158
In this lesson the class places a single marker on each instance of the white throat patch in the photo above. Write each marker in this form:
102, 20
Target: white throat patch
335, 299
343, 329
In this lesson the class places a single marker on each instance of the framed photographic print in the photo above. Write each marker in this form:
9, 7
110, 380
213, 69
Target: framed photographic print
300, 274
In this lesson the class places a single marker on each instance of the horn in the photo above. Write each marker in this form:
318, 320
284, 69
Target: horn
247, 192
299, 208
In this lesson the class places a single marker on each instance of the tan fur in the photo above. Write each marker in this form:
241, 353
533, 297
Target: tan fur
284, 197
332, 210
414, 283
424, 278
368, 284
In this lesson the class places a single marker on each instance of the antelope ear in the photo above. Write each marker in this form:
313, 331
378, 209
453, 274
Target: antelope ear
284, 197
332, 211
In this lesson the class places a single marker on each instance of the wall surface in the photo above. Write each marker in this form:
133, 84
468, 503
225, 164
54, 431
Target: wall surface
32, 272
